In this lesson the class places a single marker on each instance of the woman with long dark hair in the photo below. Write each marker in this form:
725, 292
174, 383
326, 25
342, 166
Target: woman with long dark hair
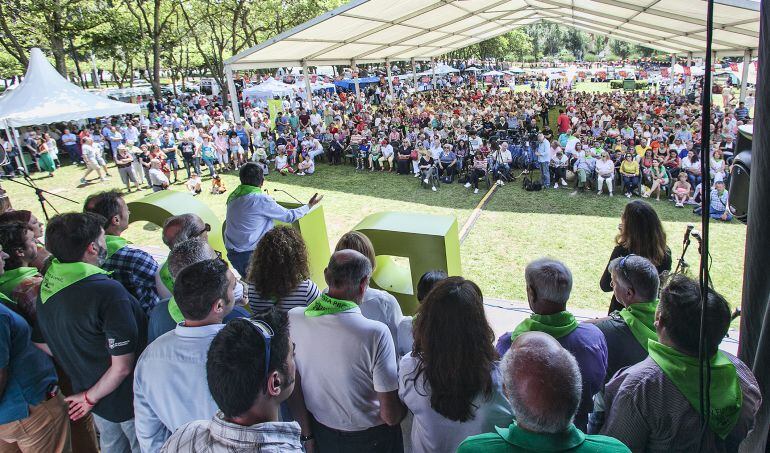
451, 381
278, 275
641, 233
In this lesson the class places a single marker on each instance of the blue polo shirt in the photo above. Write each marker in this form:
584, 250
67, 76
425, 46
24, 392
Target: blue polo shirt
30, 371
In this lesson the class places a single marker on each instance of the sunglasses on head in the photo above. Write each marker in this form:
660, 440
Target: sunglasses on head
267, 334
622, 266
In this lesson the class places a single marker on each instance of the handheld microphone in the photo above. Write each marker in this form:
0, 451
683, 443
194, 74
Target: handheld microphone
687, 233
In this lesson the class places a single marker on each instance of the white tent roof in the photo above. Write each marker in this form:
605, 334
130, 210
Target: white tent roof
371, 31
44, 96
493, 73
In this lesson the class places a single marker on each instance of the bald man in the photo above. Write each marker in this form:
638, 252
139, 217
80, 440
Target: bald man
543, 385
177, 229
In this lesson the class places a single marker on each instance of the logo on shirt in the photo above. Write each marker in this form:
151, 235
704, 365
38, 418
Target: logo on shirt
116, 344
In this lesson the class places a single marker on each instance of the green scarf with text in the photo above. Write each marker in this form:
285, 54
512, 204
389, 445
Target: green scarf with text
640, 319
114, 243
12, 278
242, 190
725, 389
556, 325
326, 305
61, 275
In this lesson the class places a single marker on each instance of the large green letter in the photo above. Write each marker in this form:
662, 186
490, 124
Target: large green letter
430, 242
312, 228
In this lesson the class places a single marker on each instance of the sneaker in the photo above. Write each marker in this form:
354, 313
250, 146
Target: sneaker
302, 173
467, 185
599, 192
563, 182
425, 180
556, 185
628, 195
475, 190
433, 188
83, 181
572, 194
103, 179
416, 175
610, 193
502, 183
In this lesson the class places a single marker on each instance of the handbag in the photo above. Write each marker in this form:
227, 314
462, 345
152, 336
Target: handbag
413, 154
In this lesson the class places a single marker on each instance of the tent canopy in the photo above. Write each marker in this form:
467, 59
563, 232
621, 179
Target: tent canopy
44, 96
372, 31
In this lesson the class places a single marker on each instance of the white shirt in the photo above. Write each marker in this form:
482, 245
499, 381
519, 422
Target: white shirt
170, 386
431, 431
404, 338
157, 177
605, 167
251, 216
346, 360
381, 306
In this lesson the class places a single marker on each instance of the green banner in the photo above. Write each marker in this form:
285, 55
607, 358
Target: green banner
274, 106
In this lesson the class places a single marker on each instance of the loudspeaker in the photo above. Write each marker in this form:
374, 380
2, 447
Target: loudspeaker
741, 172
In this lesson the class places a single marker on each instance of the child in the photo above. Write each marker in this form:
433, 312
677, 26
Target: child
681, 190
260, 157
194, 184
362, 157
282, 162
217, 185
307, 166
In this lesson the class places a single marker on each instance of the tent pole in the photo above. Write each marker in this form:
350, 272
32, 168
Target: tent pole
745, 74
308, 88
233, 93
433, 68
20, 148
688, 77
414, 75
388, 75
354, 73
673, 63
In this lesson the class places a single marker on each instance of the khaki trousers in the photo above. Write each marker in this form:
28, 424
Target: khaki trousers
45, 430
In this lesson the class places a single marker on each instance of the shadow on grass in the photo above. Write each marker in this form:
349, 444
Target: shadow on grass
510, 198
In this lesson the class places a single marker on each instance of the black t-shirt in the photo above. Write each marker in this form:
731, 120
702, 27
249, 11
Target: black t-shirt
84, 325
622, 348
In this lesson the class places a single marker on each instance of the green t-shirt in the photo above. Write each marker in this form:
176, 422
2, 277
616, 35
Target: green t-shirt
514, 439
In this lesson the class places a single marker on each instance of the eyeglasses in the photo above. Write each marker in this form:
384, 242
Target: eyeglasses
206, 229
267, 333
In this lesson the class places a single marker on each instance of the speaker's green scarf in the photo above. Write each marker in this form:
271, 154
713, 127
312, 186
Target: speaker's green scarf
640, 319
114, 243
242, 190
13, 278
726, 396
556, 325
61, 275
326, 305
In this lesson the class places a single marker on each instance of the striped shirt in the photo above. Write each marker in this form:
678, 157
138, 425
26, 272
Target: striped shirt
219, 436
303, 294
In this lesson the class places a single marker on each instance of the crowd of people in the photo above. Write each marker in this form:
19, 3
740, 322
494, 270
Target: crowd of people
202, 355
644, 144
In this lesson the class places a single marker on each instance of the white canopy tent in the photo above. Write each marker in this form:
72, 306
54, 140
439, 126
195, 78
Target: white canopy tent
44, 96
493, 73
373, 31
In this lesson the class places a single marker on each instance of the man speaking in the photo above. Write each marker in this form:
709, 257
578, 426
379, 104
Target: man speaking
250, 214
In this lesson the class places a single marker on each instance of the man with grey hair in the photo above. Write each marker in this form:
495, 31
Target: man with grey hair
549, 283
166, 314
544, 387
352, 388
176, 229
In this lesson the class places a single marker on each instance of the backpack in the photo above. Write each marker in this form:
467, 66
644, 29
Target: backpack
531, 186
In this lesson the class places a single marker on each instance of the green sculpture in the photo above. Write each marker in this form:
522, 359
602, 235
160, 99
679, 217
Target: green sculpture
312, 228
430, 242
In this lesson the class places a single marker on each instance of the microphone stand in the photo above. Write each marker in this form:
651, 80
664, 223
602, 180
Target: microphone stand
40, 193
681, 263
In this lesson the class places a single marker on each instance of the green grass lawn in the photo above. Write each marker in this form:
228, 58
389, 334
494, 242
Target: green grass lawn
515, 228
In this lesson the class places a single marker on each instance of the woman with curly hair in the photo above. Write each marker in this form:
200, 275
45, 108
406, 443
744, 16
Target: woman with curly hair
451, 381
278, 275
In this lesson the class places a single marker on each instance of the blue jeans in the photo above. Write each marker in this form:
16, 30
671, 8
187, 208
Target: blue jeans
117, 437
546, 174
718, 215
239, 261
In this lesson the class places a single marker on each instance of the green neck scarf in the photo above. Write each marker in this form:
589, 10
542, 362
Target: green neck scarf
326, 305
114, 243
174, 311
725, 390
6, 300
165, 277
556, 325
242, 190
640, 319
12, 278
61, 275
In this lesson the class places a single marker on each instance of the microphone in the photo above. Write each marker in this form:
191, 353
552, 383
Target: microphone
696, 235
287, 193
687, 233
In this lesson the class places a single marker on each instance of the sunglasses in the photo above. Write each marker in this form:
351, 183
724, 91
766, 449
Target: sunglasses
622, 266
267, 334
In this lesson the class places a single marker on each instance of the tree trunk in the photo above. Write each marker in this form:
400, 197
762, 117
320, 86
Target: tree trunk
156, 31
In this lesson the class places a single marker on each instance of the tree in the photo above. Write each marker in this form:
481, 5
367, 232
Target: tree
152, 18
621, 48
576, 41
519, 44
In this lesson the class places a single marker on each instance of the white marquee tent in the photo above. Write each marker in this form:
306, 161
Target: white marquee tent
44, 96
